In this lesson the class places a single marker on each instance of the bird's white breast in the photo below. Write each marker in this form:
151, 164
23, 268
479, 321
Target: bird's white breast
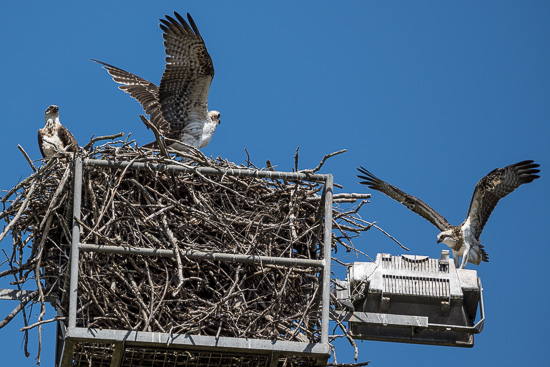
469, 239
191, 135
51, 145
470, 242
467, 231
208, 132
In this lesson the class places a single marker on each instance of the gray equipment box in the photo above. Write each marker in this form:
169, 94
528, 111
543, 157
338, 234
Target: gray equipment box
412, 299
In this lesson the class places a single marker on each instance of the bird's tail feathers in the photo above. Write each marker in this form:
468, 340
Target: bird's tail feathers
484, 254
478, 254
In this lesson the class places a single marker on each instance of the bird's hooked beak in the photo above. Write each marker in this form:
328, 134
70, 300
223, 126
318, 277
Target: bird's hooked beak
215, 116
52, 109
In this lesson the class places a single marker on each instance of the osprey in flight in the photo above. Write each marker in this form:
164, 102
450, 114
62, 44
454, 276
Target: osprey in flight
464, 239
179, 106
54, 137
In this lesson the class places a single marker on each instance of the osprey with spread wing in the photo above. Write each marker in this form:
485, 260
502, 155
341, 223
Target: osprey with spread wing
179, 106
464, 239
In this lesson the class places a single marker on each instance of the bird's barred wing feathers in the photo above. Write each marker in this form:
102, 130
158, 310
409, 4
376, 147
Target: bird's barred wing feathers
145, 92
494, 186
411, 202
185, 83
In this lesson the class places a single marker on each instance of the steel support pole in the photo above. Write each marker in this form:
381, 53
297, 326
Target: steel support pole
327, 241
118, 355
77, 201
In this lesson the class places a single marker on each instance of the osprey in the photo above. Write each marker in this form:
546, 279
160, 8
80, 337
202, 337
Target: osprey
54, 137
464, 239
179, 106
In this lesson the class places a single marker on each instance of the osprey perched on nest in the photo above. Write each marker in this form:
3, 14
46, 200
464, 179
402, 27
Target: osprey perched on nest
54, 137
464, 239
179, 106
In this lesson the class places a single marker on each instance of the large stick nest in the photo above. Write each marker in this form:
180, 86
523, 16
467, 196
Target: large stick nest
175, 211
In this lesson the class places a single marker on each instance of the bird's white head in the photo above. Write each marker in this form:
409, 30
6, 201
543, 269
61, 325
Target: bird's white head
52, 114
215, 116
447, 237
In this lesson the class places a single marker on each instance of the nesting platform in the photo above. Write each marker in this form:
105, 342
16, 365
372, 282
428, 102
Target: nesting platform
229, 285
155, 261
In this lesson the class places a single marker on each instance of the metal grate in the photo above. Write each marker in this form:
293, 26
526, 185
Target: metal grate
93, 355
104, 355
138, 357
298, 362
416, 286
412, 263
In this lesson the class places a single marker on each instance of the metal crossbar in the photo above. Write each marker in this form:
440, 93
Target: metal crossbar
273, 175
200, 255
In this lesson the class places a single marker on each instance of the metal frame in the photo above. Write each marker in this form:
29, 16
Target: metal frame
406, 321
402, 326
122, 338
475, 329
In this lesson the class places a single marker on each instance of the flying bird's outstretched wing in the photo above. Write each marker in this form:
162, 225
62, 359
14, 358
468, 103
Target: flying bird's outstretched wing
494, 186
145, 92
185, 83
411, 202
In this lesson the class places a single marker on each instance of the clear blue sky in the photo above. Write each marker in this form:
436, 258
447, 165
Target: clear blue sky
428, 95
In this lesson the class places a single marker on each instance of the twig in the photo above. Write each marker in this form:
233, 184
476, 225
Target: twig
18, 308
26, 181
174, 243
343, 197
348, 337
58, 192
160, 142
19, 212
38, 323
26, 157
93, 140
320, 165
373, 224
113, 193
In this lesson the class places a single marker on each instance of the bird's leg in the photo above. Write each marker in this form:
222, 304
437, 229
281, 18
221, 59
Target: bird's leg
465, 256
456, 256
